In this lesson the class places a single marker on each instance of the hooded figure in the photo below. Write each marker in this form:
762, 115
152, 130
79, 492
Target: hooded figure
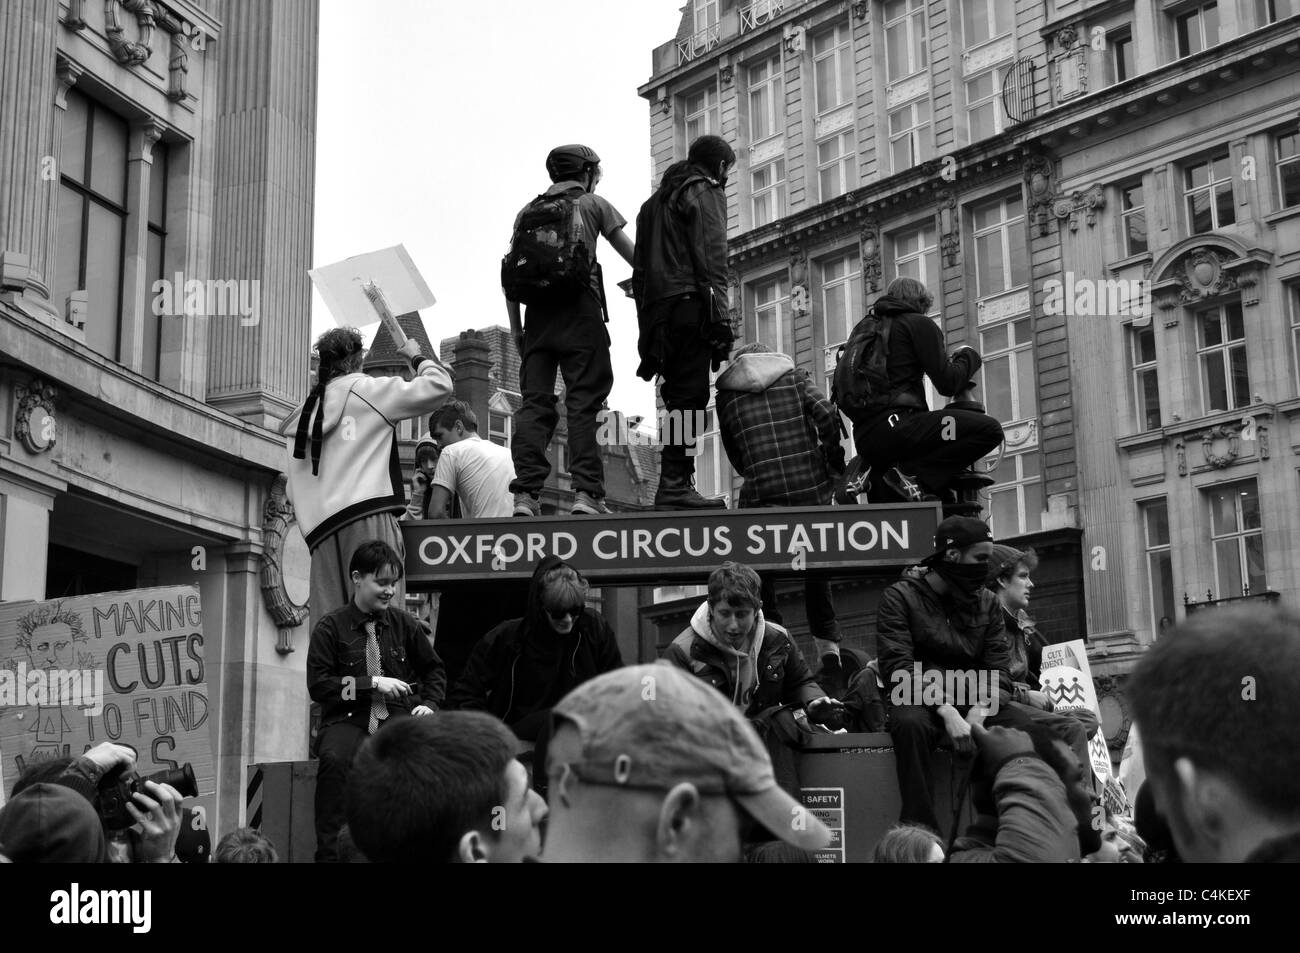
521, 668
51, 824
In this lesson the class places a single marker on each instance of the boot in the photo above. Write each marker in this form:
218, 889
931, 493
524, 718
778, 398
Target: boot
676, 483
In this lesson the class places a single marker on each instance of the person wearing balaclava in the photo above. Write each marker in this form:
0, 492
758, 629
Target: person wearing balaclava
945, 658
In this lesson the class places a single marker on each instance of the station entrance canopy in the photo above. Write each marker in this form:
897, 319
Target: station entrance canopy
659, 547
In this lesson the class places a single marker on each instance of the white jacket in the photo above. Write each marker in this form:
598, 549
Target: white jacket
359, 473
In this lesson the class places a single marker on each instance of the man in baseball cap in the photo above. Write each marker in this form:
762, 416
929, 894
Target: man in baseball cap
648, 764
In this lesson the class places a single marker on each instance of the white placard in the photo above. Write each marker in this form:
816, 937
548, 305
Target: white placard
340, 285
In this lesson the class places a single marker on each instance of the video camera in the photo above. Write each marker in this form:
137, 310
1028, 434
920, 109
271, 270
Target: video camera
117, 787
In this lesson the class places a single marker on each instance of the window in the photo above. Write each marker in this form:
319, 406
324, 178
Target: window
982, 20
905, 41
711, 472
1209, 195
1237, 535
767, 191
499, 428
771, 308
1007, 376
1293, 294
156, 242
1221, 348
1197, 29
92, 218
765, 100
1288, 167
837, 165
916, 255
1001, 261
562, 459
706, 14
702, 114
984, 113
1160, 562
841, 300
1016, 500
1133, 214
833, 68
1122, 60
1270, 11
907, 134
1146, 379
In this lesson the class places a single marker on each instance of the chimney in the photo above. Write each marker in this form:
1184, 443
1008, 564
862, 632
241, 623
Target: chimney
472, 359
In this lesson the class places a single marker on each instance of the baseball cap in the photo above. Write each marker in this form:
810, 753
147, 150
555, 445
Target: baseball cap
960, 531
51, 824
656, 726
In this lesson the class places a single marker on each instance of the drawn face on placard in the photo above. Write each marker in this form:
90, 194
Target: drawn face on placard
51, 648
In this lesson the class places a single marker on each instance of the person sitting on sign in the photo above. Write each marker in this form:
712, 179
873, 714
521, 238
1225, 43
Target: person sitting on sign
369, 661
755, 663
782, 436
344, 479
520, 669
1009, 579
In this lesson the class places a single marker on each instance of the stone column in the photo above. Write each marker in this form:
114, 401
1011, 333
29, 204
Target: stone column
472, 359
265, 181
25, 514
29, 181
136, 281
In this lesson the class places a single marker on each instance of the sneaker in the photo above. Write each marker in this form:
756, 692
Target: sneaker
902, 484
528, 504
584, 504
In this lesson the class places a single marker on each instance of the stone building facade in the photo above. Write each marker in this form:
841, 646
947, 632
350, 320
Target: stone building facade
170, 141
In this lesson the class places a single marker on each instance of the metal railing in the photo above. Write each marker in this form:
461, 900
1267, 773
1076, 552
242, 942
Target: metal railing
763, 11
698, 44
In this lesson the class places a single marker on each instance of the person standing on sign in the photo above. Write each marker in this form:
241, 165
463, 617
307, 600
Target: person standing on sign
551, 267
369, 662
344, 476
679, 280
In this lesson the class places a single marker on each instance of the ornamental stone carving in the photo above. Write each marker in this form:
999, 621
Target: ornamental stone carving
35, 423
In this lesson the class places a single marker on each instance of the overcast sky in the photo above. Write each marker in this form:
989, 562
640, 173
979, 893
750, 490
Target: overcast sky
433, 125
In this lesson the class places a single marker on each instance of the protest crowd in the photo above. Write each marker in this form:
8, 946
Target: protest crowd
515, 732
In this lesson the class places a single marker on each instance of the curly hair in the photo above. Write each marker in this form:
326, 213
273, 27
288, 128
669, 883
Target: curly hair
50, 615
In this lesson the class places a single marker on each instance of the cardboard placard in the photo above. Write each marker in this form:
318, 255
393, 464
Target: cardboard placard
341, 286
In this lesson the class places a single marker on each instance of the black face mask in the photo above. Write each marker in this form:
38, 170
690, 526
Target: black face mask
965, 579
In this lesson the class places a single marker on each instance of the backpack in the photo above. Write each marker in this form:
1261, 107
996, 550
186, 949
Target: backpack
549, 261
860, 385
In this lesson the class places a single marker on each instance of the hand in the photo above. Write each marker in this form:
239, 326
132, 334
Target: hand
826, 711
1039, 700
421, 710
420, 480
158, 823
106, 756
999, 744
959, 730
976, 716
411, 349
391, 687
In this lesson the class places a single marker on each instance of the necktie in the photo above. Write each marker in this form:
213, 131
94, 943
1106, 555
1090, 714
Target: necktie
378, 707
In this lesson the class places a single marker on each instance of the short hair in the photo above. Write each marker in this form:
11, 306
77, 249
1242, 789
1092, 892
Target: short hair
418, 785
755, 348
906, 844
708, 151
41, 772
449, 413
563, 586
1027, 558
779, 852
246, 845
374, 555
1223, 689
912, 293
340, 351
736, 584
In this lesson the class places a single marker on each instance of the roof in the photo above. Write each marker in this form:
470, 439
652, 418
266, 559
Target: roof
383, 349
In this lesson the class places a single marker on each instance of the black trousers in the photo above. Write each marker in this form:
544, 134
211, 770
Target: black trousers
573, 340
687, 355
337, 746
818, 604
934, 445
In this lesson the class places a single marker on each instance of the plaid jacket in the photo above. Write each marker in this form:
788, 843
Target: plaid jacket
780, 432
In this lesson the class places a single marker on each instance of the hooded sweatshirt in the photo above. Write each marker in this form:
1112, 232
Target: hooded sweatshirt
524, 666
780, 432
360, 473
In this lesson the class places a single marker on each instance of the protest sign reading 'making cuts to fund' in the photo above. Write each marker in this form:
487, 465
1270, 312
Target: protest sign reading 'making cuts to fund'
125, 667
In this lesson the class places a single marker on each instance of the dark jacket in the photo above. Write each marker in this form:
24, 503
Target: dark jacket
1034, 823
915, 624
916, 351
1026, 648
1280, 850
336, 664
782, 677
681, 249
523, 666
780, 432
